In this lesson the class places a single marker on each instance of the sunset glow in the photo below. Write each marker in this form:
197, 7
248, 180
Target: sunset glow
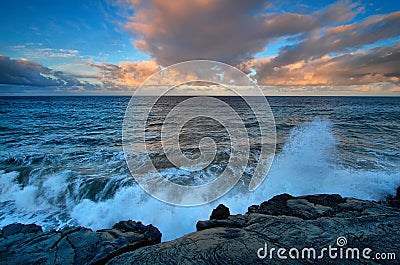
111, 47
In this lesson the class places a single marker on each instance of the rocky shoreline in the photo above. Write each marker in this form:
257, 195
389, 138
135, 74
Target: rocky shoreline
284, 222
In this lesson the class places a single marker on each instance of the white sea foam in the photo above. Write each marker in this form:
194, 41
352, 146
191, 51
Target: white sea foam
305, 166
308, 164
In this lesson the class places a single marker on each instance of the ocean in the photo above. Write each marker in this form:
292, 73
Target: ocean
62, 160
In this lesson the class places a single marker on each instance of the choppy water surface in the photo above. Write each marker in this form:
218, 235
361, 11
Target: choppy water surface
61, 158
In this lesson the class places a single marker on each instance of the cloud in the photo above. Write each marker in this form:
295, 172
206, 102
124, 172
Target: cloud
37, 51
29, 73
24, 72
335, 56
363, 67
381, 88
223, 30
324, 49
52, 53
371, 66
343, 38
81, 76
328, 45
126, 74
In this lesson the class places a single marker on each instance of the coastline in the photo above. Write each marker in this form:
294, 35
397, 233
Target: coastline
284, 222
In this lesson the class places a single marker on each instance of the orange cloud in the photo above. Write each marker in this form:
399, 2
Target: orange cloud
222, 30
126, 74
372, 66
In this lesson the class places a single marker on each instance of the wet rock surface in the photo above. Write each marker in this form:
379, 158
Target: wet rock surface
314, 221
28, 244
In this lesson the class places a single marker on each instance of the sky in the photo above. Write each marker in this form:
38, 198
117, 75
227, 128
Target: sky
109, 47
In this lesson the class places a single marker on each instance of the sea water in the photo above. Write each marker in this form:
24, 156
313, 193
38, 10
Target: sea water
62, 161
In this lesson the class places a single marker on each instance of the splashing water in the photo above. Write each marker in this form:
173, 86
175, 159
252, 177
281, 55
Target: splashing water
94, 189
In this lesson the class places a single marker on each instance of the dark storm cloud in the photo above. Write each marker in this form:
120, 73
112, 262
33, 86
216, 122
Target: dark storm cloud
106, 76
224, 30
29, 73
24, 72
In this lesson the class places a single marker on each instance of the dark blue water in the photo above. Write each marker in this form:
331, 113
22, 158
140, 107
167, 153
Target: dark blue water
61, 158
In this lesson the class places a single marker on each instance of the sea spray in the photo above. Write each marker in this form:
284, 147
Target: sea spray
307, 165
69, 169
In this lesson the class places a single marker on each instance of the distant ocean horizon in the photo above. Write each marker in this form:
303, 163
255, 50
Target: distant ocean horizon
287, 95
62, 161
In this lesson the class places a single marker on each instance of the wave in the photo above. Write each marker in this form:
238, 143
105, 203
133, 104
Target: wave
309, 163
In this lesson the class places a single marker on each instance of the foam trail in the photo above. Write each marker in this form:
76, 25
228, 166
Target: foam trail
306, 165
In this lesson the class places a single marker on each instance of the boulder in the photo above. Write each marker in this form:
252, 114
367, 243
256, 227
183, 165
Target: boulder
28, 244
220, 213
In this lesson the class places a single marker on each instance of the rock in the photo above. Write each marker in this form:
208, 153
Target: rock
305, 207
220, 217
283, 223
232, 221
17, 228
28, 244
330, 200
253, 208
220, 213
315, 221
394, 201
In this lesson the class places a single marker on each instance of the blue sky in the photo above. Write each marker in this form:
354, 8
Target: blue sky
92, 28
106, 47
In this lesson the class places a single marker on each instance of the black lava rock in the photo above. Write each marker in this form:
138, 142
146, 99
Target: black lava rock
220, 213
